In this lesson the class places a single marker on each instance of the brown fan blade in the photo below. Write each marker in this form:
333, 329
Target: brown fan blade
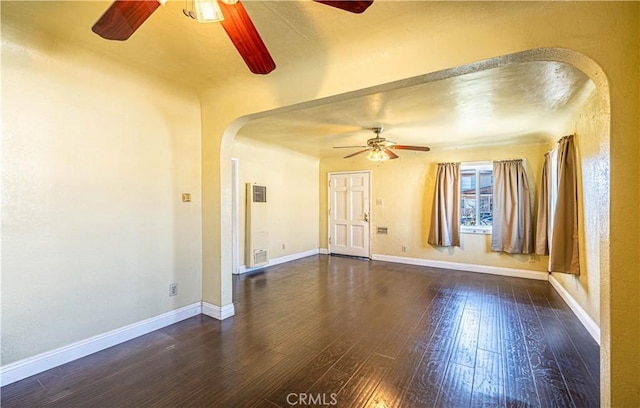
245, 37
354, 6
402, 147
356, 153
123, 18
391, 154
347, 147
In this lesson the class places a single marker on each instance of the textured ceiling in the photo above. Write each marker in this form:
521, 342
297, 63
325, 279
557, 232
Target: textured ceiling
519, 103
516, 103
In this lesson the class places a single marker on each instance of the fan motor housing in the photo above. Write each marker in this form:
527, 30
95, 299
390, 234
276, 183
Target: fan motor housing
377, 141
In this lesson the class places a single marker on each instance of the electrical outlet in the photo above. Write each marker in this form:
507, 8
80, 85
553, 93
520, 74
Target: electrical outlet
404, 248
173, 289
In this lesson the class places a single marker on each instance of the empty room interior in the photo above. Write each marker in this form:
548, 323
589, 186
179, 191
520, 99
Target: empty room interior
313, 203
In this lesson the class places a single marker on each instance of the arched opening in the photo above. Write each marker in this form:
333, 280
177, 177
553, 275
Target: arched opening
595, 195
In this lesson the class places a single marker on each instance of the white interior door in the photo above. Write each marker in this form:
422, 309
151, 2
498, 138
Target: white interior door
349, 213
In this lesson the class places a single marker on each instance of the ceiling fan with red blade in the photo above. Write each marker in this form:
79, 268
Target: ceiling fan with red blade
353, 6
124, 17
381, 149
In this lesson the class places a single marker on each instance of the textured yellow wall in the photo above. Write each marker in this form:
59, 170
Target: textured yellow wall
50, 84
94, 159
593, 209
446, 35
292, 196
406, 186
620, 282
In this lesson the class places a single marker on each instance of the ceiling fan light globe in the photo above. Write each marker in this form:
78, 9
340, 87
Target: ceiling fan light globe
208, 11
229, 2
377, 155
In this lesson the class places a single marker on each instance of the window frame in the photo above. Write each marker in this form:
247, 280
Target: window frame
477, 167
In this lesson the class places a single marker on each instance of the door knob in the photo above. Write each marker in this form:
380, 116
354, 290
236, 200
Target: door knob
366, 217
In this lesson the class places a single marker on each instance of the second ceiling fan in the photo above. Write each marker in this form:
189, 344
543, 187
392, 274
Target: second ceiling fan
381, 149
124, 17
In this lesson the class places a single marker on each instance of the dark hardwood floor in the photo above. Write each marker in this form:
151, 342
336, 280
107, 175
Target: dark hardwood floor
335, 331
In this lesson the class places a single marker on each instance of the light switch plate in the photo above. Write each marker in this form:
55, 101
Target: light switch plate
186, 197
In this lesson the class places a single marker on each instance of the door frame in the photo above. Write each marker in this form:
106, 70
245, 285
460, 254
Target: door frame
370, 187
235, 216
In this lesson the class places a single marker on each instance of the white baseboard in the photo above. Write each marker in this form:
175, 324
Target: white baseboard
218, 312
323, 251
582, 315
493, 270
584, 318
277, 261
33, 365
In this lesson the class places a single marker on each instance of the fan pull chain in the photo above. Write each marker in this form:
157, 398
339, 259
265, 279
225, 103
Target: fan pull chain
189, 11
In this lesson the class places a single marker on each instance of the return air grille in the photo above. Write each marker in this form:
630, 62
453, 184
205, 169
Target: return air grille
259, 194
260, 257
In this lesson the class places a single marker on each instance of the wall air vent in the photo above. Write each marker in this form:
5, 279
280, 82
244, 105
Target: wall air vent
383, 230
260, 257
259, 194
257, 226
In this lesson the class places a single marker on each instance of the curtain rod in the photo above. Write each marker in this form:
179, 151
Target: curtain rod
508, 160
564, 137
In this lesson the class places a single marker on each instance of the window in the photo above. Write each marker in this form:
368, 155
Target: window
476, 197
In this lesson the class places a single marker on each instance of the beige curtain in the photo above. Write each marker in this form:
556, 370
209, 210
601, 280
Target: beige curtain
564, 242
445, 214
512, 230
544, 209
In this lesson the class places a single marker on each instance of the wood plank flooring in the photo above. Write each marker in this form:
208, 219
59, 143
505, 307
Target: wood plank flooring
336, 331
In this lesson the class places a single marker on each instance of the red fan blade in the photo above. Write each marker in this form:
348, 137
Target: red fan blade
353, 6
123, 18
356, 153
391, 154
245, 37
402, 147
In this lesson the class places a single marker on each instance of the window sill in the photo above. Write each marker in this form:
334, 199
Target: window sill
480, 231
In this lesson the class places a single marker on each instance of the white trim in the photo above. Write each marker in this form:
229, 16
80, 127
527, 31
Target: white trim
480, 165
218, 312
370, 192
279, 260
19, 370
582, 315
480, 230
348, 172
323, 251
493, 270
235, 211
